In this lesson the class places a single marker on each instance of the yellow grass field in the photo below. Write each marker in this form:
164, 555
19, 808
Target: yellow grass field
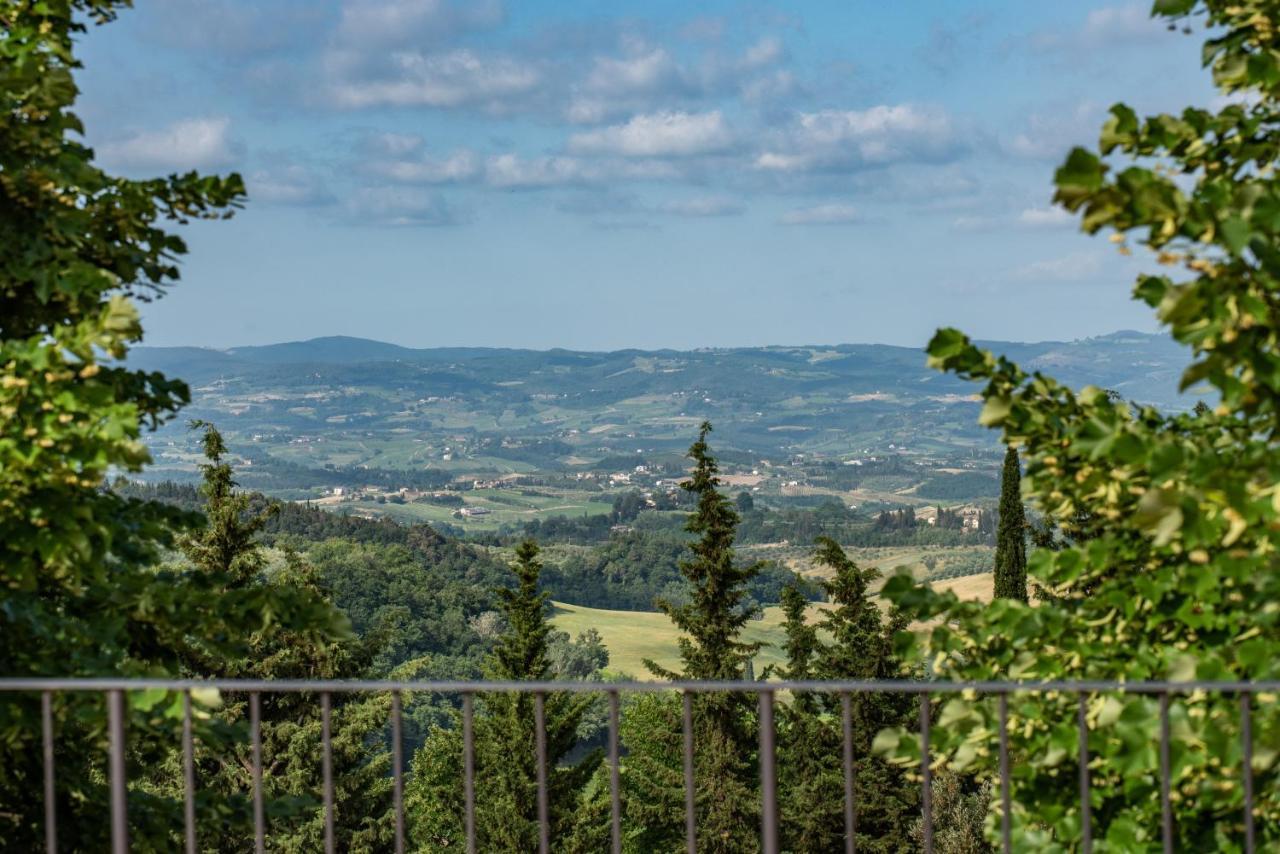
633, 636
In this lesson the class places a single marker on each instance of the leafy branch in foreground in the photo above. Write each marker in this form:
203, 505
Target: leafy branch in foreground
1167, 566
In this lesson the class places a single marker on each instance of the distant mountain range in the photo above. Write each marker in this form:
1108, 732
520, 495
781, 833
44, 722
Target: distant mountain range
335, 402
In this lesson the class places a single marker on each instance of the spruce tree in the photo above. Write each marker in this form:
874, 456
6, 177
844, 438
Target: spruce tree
505, 746
1011, 538
862, 647
227, 553
724, 730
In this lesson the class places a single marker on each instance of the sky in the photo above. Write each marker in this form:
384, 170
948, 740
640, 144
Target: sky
600, 174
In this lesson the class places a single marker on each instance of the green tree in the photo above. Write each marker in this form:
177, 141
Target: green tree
227, 551
711, 617
505, 745
1170, 522
78, 592
1011, 533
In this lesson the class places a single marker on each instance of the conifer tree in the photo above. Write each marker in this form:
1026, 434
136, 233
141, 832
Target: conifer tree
862, 647
1011, 537
505, 745
227, 552
711, 648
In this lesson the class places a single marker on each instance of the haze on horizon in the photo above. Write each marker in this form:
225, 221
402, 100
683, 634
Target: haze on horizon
599, 176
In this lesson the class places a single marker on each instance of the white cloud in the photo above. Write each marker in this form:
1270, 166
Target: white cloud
1110, 26
830, 214
1067, 268
399, 206
197, 143
669, 134
1049, 136
702, 206
846, 140
414, 79
509, 171
287, 184
396, 22
645, 70
765, 52
1045, 218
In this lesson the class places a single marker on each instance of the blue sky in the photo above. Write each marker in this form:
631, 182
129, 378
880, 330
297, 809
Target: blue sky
600, 175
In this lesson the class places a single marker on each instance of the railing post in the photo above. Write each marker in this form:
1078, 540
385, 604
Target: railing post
255, 747
926, 774
768, 776
1246, 746
1166, 805
397, 769
1086, 808
850, 803
189, 776
50, 790
544, 806
615, 782
118, 781
469, 770
690, 794
1006, 799
326, 766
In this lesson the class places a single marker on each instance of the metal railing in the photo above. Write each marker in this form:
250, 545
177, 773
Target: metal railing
115, 690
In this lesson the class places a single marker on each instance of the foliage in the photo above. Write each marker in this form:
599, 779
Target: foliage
80, 596
505, 743
1011, 533
711, 620
1167, 564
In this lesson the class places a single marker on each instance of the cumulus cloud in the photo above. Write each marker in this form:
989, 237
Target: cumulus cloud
380, 23
1067, 268
287, 184
703, 206
411, 78
848, 140
1045, 218
195, 143
1050, 135
399, 206
830, 214
403, 159
1110, 26
669, 134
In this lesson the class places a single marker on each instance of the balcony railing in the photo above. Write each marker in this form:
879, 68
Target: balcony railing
114, 691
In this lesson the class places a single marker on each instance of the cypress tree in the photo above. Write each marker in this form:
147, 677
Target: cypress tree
724, 728
1011, 543
506, 746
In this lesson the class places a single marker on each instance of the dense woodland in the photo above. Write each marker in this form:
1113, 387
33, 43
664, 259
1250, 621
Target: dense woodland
1155, 555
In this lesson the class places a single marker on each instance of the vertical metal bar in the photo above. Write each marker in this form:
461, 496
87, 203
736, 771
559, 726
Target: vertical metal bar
690, 799
1006, 799
326, 765
255, 741
1246, 744
540, 737
397, 769
119, 791
850, 804
1086, 808
189, 776
615, 782
1166, 806
768, 776
469, 770
50, 791
926, 774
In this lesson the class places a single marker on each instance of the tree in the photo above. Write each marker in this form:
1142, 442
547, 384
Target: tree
79, 595
227, 551
1011, 533
505, 744
710, 648
1170, 523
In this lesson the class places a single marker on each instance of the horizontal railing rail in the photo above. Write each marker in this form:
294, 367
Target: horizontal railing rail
115, 690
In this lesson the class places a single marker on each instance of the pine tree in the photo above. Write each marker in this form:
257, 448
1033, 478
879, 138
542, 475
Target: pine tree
1011, 542
810, 779
505, 745
862, 647
724, 728
227, 552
